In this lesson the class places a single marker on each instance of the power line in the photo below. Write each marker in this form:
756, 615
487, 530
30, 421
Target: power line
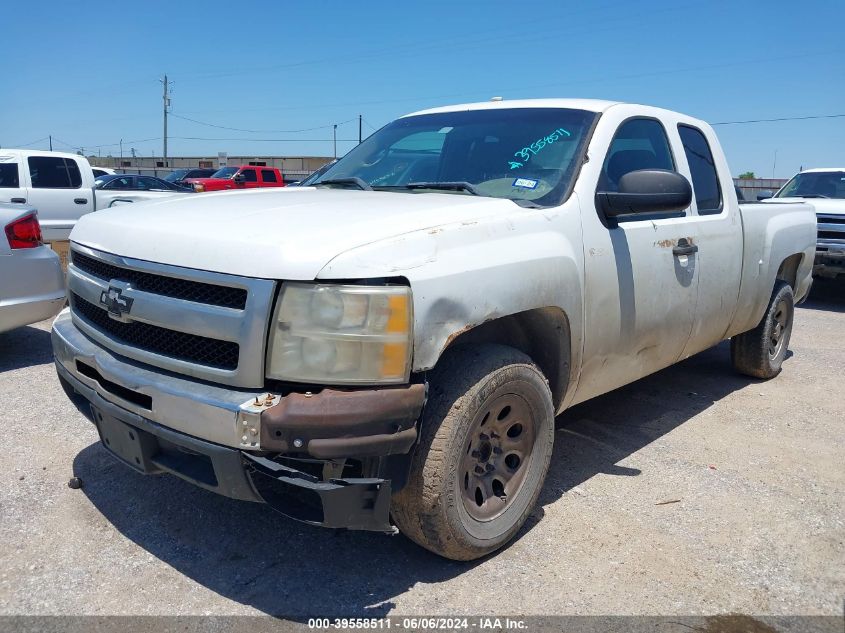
787, 118
236, 129
266, 140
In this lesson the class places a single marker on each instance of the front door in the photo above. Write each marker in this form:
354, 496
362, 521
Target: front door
641, 278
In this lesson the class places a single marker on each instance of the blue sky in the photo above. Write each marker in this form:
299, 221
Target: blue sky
88, 73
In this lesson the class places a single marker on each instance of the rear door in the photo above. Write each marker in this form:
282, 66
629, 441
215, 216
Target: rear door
56, 190
269, 178
12, 188
719, 237
641, 281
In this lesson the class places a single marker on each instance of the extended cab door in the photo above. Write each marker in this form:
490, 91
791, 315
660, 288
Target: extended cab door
719, 230
269, 178
56, 190
641, 276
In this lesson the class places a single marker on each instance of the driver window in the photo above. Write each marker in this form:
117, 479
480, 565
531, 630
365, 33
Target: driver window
249, 175
638, 144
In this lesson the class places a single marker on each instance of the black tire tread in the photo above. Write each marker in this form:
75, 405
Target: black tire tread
418, 508
750, 350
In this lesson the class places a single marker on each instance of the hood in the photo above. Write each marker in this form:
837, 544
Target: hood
276, 233
836, 206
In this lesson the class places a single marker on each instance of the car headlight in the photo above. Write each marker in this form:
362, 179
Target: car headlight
341, 334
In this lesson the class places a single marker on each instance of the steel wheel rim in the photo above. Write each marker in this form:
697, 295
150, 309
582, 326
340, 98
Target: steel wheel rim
780, 327
497, 456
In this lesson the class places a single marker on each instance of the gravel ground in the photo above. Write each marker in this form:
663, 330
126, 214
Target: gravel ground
753, 472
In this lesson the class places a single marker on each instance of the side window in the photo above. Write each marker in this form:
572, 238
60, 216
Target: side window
49, 172
638, 144
9, 175
268, 175
705, 182
145, 182
250, 175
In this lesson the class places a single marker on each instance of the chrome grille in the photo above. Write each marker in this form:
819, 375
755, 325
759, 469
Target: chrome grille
159, 340
203, 324
168, 286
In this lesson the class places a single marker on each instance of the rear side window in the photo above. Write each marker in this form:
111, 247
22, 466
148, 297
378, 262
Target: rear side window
49, 172
705, 182
9, 175
250, 175
638, 144
268, 175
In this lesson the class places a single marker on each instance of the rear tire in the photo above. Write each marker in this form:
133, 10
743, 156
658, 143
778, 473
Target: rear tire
486, 439
760, 352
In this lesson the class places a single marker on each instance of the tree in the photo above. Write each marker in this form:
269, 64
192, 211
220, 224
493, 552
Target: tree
748, 175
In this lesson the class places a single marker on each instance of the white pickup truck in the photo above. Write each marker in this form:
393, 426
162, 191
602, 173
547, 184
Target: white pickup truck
389, 347
824, 188
60, 186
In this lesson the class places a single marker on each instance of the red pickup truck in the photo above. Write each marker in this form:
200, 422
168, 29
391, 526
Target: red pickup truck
243, 177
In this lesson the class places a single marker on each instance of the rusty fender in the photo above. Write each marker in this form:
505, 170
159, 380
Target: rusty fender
336, 424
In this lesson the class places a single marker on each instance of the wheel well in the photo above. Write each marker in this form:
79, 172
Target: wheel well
788, 270
541, 333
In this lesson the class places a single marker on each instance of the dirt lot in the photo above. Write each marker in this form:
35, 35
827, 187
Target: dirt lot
754, 472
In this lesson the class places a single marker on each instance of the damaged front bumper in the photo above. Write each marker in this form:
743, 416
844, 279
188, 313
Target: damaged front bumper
244, 444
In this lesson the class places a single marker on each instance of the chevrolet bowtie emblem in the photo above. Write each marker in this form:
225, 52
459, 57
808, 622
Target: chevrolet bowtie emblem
115, 302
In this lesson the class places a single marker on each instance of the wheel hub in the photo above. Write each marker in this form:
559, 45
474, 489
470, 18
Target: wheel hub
499, 447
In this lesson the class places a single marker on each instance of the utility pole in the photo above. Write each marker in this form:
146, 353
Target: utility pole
166, 106
334, 138
121, 150
774, 163
51, 142
360, 119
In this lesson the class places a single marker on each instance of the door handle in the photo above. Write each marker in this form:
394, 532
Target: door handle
19, 200
81, 200
684, 248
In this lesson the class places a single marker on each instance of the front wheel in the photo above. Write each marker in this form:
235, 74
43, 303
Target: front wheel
760, 352
486, 439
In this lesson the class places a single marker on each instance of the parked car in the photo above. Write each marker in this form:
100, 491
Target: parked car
825, 189
32, 284
102, 171
179, 176
389, 348
60, 186
131, 182
244, 177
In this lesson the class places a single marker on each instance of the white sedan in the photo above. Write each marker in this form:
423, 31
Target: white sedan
32, 284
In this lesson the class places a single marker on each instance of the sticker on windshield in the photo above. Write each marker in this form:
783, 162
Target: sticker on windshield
525, 183
444, 130
527, 152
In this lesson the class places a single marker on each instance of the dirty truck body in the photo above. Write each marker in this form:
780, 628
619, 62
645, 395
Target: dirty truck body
389, 347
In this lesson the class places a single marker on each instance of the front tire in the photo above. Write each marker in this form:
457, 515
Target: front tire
760, 352
485, 444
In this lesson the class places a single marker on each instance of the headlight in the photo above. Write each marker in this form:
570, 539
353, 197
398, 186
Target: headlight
338, 334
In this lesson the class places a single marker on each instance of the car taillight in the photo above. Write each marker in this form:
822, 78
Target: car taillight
25, 232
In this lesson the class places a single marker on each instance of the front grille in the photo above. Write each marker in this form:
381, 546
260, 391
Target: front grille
832, 235
830, 219
196, 291
158, 340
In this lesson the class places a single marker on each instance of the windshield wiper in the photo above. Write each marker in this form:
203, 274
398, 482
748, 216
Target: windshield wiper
458, 185
351, 180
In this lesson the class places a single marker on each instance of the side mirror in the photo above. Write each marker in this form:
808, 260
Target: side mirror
239, 178
646, 191
765, 194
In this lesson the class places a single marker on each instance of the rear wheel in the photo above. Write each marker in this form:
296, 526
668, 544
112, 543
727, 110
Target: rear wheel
760, 352
485, 443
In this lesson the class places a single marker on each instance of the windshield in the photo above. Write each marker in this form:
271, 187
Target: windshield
815, 184
173, 176
225, 172
526, 154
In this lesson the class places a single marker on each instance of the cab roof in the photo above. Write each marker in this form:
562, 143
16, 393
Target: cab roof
590, 105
